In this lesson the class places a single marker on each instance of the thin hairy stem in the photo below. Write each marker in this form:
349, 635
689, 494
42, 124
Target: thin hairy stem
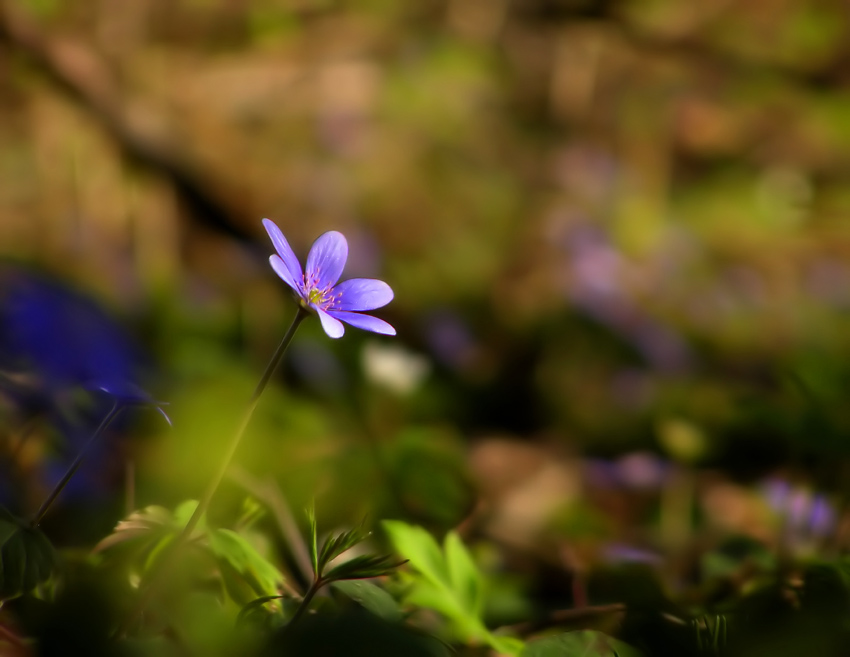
165, 562
72, 469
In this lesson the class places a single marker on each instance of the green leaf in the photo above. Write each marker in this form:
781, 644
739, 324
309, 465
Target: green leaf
466, 579
254, 607
314, 552
505, 645
586, 643
148, 523
371, 597
151, 525
27, 558
450, 584
238, 553
337, 545
420, 548
363, 567
146, 533
184, 512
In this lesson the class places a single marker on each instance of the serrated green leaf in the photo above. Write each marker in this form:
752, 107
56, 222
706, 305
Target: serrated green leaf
257, 572
150, 526
372, 597
235, 584
420, 548
450, 584
363, 567
334, 546
148, 523
585, 643
466, 579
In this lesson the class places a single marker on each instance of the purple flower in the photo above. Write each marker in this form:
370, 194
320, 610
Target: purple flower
317, 286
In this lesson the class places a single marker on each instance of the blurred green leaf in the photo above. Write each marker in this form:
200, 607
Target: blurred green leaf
235, 550
466, 579
417, 545
586, 643
182, 514
254, 610
449, 582
430, 475
372, 597
148, 523
146, 533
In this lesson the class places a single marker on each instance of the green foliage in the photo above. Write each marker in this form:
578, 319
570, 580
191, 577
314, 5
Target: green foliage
145, 534
254, 612
235, 552
430, 478
607, 224
335, 545
711, 634
363, 567
448, 581
353, 632
371, 597
27, 558
360, 567
586, 643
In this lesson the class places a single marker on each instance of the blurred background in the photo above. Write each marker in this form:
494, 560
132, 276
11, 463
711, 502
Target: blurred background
616, 231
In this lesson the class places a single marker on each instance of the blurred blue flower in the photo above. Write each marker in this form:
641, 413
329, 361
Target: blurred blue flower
60, 337
64, 360
317, 286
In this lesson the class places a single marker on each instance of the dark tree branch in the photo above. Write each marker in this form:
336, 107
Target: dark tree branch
80, 74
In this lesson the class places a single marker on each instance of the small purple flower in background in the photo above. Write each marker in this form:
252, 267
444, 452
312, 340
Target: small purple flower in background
804, 514
317, 286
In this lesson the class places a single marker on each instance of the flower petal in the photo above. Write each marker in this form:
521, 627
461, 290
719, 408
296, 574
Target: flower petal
365, 322
286, 254
283, 271
326, 260
332, 326
362, 294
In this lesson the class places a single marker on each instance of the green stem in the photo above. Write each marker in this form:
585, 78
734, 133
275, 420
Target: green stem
305, 601
204, 504
72, 469
166, 560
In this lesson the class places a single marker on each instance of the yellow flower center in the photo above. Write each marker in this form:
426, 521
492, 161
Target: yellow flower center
317, 296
